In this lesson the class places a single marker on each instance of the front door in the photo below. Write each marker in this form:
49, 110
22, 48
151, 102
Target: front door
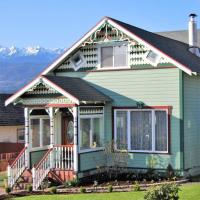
67, 130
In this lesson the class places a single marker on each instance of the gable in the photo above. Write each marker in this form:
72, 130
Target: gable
44, 95
89, 51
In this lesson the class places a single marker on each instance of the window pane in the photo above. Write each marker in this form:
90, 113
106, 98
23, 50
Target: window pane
121, 123
106, 56
120, 56
85, 133
35, 129
97, 133
141, 130
20, 135
161, 131
46, 131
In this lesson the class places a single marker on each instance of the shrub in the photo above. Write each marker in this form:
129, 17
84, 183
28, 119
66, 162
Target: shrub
29, 188
136, 186
165, 191
73, 183
110, 188
169, 172
82, 190
53, 190
7, 190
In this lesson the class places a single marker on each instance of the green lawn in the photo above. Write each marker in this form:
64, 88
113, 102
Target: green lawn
3, 175
188, 192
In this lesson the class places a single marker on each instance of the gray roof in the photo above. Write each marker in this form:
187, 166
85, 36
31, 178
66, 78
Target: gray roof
173, 48
10, 115
79, 88
180, 35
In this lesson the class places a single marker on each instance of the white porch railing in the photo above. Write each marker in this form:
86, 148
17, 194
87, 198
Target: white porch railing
59, 157
17, 168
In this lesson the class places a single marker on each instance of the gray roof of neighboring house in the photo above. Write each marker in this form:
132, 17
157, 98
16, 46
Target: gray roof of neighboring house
180, 35
173, 48
10, 115
79, 88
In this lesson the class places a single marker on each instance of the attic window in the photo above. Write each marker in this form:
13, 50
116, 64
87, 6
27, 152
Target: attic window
152, 57
77, 60
114, 56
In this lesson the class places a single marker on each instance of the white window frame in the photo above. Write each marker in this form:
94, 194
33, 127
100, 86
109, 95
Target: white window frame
153, 130
77, 67
40, 117
99, 116
99, 67
20, 130
145, 57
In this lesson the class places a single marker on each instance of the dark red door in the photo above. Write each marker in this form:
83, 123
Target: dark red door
67, 130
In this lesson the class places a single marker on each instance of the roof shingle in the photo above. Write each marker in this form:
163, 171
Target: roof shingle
173, 48
79, 88
10, 115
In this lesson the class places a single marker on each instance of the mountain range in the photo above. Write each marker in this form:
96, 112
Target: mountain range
18, 66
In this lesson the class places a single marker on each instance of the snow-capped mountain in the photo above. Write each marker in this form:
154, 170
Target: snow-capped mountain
20, 65
11, 52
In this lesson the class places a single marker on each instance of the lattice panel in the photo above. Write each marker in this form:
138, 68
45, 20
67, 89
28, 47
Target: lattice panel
90, 110
45, 101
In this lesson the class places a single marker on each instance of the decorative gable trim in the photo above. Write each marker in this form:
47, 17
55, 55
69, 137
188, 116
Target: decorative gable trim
30, 87
137, 38
89, 36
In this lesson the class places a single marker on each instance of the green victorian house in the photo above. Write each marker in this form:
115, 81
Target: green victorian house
117, 83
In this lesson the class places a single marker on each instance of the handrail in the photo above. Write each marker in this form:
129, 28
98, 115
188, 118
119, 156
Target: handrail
44, 157
17, 167
58, 157
17, 158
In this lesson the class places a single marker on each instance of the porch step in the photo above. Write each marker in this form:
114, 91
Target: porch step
24, 180
52, 174
64, 175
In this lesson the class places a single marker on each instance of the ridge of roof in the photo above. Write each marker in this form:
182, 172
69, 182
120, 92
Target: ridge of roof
173, 48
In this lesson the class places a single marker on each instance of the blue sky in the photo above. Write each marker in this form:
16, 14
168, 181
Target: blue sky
59, 23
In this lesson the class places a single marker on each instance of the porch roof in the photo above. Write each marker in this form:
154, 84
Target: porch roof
79, 88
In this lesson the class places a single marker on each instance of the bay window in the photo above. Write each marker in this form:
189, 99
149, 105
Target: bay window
91, 132
40, 131
143, 130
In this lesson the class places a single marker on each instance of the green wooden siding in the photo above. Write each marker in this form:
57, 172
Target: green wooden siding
192, 122
36, 156
92, 160
155, 87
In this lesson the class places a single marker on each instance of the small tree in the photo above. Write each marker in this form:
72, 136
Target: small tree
117, 160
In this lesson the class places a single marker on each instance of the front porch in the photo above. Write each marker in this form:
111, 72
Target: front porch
57, 129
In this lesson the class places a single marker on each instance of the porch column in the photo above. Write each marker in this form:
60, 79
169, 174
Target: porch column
52, 135
26, 117
75, 116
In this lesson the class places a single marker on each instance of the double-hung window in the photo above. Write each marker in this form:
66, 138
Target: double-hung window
40, 131
141, 130
114, 56
91, 132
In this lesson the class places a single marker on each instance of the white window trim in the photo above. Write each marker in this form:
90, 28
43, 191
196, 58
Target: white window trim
100, 116
77, 67
151, 62
129, 131
99, 67
41, 147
